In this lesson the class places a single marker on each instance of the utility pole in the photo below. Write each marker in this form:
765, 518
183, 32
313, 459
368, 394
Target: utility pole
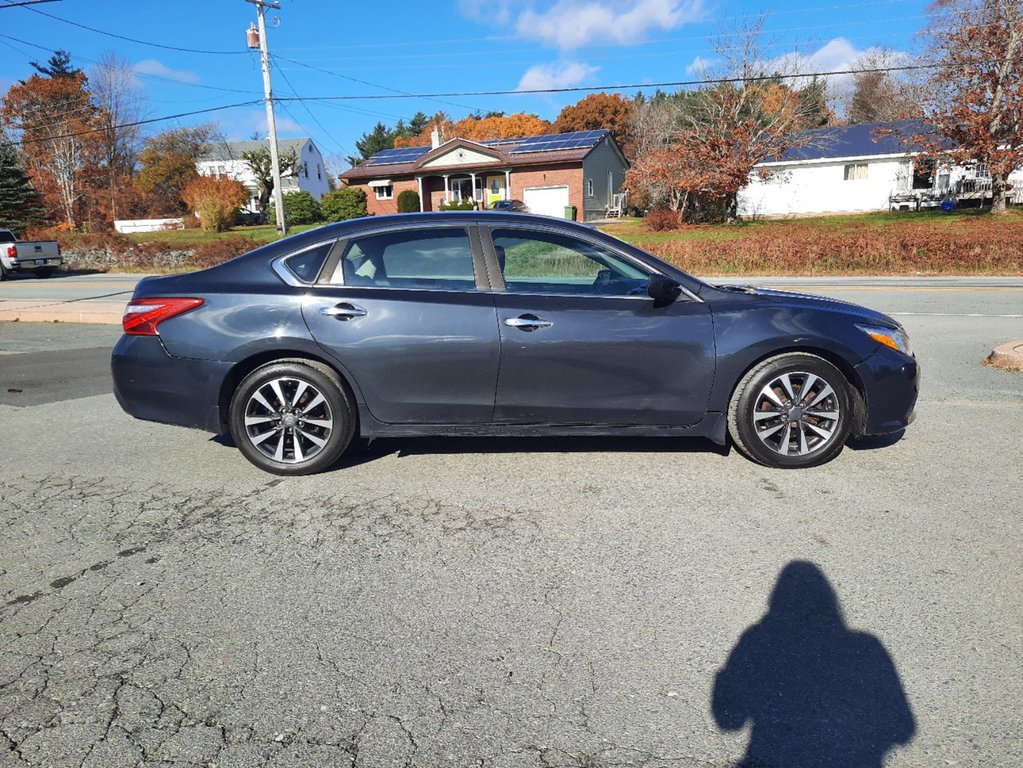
271, 121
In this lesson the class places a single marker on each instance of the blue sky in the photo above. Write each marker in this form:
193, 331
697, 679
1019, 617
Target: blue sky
378, 49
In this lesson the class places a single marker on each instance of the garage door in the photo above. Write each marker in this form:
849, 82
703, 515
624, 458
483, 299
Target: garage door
547, 201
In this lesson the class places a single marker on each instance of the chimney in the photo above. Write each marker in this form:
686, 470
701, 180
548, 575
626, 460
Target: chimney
435, 137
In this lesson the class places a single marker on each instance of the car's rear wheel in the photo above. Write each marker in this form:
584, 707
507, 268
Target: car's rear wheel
292, 418
791, 411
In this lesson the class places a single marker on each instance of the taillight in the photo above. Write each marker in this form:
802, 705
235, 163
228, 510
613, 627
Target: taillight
141, 316
12, 252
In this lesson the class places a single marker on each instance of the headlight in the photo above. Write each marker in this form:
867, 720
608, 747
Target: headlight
890, 337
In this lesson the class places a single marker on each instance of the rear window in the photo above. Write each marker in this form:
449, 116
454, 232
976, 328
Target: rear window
6, 236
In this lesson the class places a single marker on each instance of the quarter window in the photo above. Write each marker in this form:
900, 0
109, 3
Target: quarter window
547, 262
306, 265
436, 260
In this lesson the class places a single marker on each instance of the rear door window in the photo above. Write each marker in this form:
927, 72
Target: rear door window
426, 259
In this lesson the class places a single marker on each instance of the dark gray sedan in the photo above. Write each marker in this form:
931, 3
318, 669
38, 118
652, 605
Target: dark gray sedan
499, 324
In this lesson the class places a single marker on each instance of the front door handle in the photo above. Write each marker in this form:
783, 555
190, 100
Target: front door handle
527, 322
343, 311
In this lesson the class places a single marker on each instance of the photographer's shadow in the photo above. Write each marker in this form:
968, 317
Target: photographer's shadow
815, 692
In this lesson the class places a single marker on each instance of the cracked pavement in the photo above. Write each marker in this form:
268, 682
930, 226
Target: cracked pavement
494, 603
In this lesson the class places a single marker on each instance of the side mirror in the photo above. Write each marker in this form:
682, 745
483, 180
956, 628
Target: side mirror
663, 290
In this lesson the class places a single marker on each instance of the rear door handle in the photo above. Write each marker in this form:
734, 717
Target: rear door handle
343, 311
527, 322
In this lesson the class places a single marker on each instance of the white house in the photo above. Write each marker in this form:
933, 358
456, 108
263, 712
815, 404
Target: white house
861, 168
225, 160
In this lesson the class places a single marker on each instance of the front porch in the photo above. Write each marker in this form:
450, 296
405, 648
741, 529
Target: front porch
483, 187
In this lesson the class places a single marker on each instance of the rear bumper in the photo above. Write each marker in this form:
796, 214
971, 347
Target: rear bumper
30, 265
891, 385
150, 384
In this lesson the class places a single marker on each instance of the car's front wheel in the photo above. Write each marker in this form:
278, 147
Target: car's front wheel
791, 411
292, 418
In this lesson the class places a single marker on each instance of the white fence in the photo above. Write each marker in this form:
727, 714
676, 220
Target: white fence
125, 226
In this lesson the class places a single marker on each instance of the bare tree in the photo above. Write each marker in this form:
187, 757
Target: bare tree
116, 92
976, 98
882, 96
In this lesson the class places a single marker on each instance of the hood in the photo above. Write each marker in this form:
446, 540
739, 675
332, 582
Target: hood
856, 312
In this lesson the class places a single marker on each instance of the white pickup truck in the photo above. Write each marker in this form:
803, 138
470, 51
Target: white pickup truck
39, 256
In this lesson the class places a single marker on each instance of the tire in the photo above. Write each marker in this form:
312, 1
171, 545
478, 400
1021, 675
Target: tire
791, 411
303, 433
3, 273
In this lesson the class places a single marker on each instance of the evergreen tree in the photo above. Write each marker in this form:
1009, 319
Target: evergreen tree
58, 65
20, 204
381, 137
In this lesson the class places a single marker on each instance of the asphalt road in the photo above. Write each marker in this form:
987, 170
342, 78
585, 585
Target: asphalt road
516, 603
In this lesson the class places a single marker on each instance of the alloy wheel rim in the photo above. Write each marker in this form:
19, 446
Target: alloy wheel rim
796, 414
288, 420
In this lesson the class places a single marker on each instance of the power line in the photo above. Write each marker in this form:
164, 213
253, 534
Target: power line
362, 82
334, 141
139, 122
139, 74
26, 2
136, 40
578, 89
629, 86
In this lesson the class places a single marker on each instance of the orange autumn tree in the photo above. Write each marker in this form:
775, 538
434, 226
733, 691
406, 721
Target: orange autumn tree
59, 127
976, 96
215, 200
478, 128
611, 111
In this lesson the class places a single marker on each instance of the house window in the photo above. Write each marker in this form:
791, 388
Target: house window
856, 172
461, 189
305, 170
385, 192
319, 172
589, 187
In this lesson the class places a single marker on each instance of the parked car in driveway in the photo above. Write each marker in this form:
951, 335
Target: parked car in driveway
517, 206
489, 323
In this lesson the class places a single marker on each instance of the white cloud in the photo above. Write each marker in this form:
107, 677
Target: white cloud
159, 69
836, 55
700, 66
572, 24
254, 121
562, 74
495, 11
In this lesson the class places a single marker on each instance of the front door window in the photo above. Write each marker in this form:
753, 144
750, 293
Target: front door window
495, 189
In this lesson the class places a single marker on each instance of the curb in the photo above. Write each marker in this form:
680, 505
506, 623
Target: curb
102, 312
1007, 356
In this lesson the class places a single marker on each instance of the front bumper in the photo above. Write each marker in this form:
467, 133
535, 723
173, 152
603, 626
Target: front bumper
152, 385
891, 385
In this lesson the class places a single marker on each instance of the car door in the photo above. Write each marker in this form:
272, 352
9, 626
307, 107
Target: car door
583, 343
400, 311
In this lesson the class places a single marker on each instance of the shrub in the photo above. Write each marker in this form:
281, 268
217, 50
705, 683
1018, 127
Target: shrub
408, 201
459, 205
662, 219
344, 203
215, 200
299, 208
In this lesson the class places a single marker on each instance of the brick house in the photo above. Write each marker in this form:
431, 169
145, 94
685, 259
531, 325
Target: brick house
583, 169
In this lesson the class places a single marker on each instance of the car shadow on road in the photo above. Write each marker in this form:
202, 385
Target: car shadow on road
365, 451
875, 442
419, 446
813, 691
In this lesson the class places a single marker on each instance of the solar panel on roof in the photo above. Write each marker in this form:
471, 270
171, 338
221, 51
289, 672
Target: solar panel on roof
396, 156
560, 141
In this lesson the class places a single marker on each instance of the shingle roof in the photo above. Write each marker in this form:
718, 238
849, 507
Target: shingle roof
232, 150
862, 140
